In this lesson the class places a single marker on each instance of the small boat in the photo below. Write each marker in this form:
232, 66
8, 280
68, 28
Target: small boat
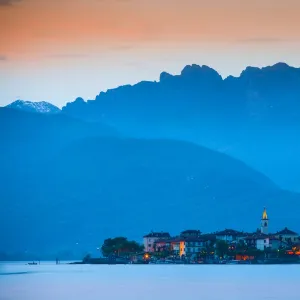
32, 263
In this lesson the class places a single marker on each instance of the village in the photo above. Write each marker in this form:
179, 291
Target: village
227, 246
194, 247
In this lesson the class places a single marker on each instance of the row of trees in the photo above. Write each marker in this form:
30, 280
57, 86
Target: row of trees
120, 246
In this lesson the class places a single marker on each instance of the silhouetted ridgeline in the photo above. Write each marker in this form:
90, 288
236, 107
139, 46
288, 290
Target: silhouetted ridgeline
254, 117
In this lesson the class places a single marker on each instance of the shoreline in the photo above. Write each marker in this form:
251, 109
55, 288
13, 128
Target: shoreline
190, 264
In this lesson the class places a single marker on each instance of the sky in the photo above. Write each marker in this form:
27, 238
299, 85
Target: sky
59, 50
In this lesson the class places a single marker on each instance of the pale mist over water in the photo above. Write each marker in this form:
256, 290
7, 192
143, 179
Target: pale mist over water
135, 282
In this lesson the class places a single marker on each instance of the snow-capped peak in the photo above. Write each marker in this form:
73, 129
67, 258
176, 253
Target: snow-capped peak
39, 107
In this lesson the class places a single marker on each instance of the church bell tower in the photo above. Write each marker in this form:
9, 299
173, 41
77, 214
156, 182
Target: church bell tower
264, 225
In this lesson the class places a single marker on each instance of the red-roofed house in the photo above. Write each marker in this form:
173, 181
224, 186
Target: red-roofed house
152, 237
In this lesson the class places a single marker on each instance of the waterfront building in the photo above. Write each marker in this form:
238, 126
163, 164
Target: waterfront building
259, 241
194, 246
185, 245
228, 235
151, 238
275, 243
287, 235
163, 244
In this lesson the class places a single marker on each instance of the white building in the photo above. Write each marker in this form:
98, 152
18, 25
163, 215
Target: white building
259, 241
151, 238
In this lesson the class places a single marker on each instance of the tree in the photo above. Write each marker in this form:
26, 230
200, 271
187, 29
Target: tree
254, 252
209, 249
241, 245
221, 248
120, 246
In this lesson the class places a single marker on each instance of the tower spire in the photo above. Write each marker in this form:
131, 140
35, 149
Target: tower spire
264, 224
265, 216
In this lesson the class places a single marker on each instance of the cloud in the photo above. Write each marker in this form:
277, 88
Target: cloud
123, 47
115, 0
3, 57
65, 56
262, 40
8, 2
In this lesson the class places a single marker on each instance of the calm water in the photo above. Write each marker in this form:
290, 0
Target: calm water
207, 282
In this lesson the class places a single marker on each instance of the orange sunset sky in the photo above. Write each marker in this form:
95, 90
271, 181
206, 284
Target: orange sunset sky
60, 49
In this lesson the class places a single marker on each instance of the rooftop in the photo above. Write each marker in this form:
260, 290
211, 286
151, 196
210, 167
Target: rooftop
228, 232
191, 231
287, 232
158, 234
177, 239
257, 236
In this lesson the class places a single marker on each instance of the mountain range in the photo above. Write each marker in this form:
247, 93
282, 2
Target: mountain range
67, 184
254, 117
190, 151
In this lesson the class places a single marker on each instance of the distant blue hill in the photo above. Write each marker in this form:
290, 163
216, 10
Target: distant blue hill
68, 184
254, 117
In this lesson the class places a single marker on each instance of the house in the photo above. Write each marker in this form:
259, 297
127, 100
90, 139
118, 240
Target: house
175, 245
163, 244
287, 235
275, 243
186, 244
228, 235
151, 238
259, 241
194, 245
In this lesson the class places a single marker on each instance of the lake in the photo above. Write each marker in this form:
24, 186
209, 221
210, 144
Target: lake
48, 281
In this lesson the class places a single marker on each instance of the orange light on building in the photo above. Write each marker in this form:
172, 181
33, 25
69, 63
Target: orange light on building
181, 248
